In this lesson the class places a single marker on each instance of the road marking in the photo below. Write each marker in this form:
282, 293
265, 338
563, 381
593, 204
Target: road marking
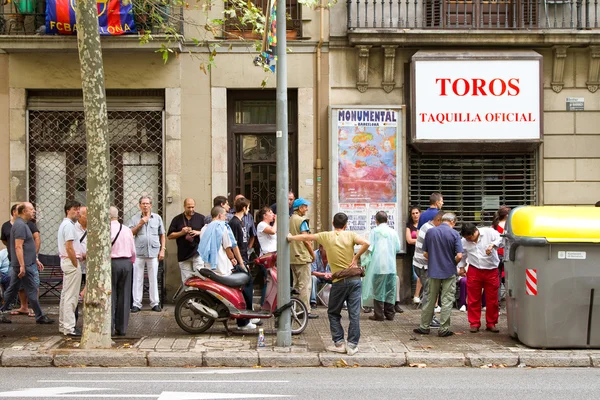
150, 381
216, 372
66, 392
206, 396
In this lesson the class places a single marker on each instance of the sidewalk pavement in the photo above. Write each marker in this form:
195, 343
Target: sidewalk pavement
154, 339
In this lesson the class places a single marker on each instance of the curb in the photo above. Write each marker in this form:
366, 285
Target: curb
274, 358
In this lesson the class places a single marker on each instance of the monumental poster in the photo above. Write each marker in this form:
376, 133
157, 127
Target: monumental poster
366, 166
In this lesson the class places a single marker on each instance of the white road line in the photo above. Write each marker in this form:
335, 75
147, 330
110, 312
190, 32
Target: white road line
151, 381
213, 372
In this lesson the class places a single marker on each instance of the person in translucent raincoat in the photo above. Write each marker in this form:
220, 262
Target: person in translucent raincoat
379, 283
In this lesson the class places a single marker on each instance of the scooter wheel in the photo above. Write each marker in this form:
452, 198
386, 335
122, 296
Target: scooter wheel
299, 314
190, 320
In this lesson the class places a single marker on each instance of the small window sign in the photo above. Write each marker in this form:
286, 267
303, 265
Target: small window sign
575, 103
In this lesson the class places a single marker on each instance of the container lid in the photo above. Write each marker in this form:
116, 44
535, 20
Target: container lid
556, 224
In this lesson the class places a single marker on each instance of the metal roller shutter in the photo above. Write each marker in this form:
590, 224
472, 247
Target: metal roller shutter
473, 186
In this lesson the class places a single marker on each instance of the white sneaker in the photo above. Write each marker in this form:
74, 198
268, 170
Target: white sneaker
351, 350
463, 308
255, 321
438, 309
247, 327
337, 349
416, 300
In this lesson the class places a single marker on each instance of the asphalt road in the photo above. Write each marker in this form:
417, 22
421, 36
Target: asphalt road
300, 383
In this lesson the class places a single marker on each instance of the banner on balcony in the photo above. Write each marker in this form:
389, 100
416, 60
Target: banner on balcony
366, 165
115, 17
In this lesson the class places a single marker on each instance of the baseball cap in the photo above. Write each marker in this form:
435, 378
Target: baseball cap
300, 202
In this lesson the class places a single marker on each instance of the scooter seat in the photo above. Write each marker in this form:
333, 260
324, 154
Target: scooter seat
236, 279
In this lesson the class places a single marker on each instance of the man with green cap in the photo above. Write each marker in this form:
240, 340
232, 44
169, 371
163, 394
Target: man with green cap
301, 253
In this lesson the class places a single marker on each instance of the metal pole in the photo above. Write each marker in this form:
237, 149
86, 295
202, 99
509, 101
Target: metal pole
284, 332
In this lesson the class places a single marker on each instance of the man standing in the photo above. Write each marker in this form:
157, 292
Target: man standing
122, 257
379, 284
420, 262
5, 237
291, 198
81, 230
185, 229
339, 245
24, 266
220, 201
436, 201
240, 233
320, 273
149, 232
69, 250
249, 223
301, 253
481, 256
443, 250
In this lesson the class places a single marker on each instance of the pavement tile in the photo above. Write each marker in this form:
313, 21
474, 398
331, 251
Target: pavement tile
436, 359
25, 358
148, 343
595, 360
555, 359
495, 359
100, 358
175, 359
274, 359
246, 358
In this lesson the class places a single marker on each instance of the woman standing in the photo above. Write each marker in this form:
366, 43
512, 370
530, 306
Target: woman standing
499, 222
411, 239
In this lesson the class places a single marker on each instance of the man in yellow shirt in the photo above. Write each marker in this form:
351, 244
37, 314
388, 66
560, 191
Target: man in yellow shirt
339, 245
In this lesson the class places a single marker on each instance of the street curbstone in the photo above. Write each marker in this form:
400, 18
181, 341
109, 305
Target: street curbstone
482, 359
100, 358
555, 359
595, 360
273, 359
25, 358
231, 359
435, 359
363, 360
175, 359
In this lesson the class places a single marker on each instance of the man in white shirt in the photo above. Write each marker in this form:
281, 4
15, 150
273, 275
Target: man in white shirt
481, 256
70, 253
81, 229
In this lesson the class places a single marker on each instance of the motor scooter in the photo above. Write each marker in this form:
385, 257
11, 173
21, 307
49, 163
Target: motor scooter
215, 298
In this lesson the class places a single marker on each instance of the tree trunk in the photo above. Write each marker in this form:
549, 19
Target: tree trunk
97, 303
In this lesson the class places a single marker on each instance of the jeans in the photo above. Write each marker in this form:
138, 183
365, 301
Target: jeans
348, 290
28, 283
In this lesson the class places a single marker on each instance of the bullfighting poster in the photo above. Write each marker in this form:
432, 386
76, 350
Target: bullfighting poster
115, 17
367, 145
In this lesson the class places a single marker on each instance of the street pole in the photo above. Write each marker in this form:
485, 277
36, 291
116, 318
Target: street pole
284, 332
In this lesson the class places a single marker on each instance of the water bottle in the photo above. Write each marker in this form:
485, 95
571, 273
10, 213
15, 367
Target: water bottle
261, 338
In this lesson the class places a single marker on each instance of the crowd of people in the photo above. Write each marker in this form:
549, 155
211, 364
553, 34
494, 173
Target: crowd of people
226, 240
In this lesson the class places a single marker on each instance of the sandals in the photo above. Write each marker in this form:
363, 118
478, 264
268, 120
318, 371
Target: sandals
17, 312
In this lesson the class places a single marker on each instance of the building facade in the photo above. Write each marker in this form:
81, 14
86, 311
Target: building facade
177, 131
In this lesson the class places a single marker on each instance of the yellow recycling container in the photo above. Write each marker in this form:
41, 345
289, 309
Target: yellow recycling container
552, 272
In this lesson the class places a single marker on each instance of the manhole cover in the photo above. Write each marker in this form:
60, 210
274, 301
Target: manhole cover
118, 343
224, 344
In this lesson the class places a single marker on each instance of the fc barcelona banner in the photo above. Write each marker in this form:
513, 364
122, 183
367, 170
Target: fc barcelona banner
115, 17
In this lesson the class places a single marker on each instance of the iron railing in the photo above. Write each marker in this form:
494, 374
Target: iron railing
476, 14
28, 17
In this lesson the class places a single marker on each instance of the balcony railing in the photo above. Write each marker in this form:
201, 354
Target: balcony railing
28, 17
476, 14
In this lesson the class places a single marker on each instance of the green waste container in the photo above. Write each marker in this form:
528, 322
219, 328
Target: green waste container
552, 272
